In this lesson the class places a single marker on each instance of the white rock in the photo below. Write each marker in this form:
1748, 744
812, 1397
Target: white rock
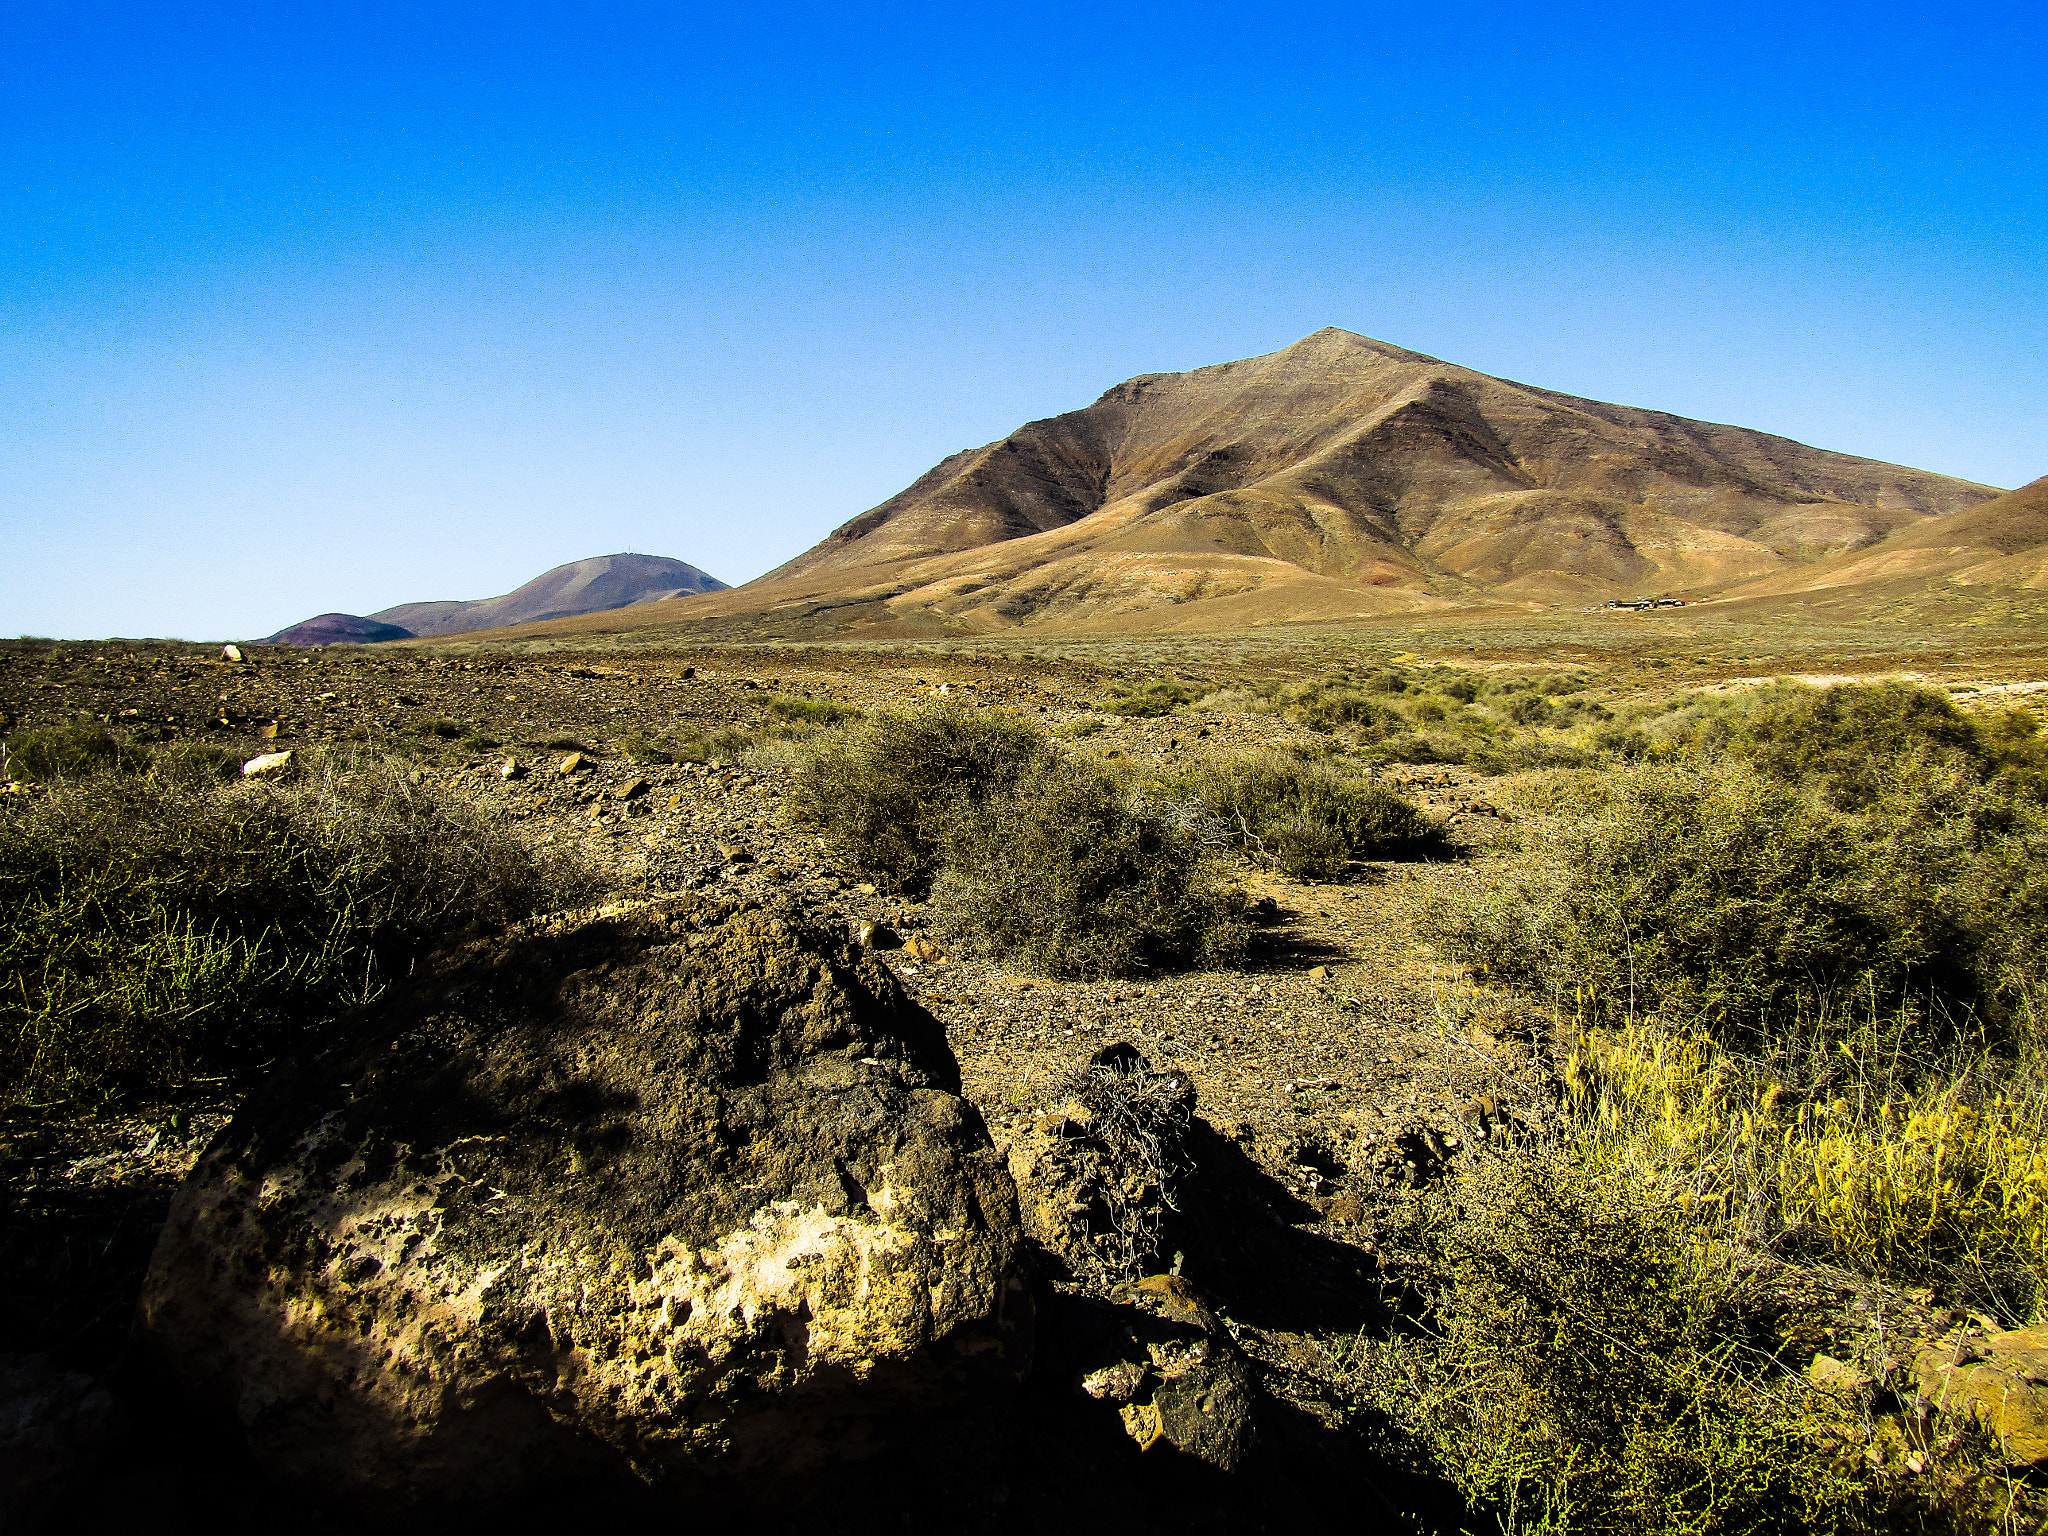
231, 653
268, 762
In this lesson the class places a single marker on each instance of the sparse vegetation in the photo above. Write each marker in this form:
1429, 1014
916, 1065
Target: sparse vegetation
158, 927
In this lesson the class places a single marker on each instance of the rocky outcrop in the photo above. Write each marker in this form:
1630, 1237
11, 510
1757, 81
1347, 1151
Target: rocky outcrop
1997, 1382
673, 1195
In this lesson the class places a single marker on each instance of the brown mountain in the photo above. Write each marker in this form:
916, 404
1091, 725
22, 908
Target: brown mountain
1338, 477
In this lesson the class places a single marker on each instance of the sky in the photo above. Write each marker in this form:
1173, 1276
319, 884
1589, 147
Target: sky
308, 308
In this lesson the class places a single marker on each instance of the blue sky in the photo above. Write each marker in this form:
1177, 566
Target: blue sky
321, 307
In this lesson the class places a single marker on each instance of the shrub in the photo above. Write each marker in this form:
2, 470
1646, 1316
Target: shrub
1720, 896
1848, 738
1312, 819
1328, 706
1527, 709
54, 752
153, 929
822, 712
1570, 1373
642, 750
1073, 873
886, 792
444, 728
1161, 696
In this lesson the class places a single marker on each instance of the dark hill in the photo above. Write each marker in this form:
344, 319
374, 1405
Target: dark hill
338, 629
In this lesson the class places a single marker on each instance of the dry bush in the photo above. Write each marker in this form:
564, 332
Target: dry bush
1073, 872
1311, 819
886, 793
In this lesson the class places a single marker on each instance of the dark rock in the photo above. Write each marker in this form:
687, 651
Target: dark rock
668, 1197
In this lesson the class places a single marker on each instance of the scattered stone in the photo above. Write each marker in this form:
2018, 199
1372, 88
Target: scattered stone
231, 653
632, 789
732, 853
922, 950
511, 769
1319, 973
266, 763
866, 888
573, 763
664, 1196
872, 935
268, 733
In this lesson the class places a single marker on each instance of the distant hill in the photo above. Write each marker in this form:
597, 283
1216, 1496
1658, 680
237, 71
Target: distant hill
338, 629
1994, 554
1340, 477
596, 585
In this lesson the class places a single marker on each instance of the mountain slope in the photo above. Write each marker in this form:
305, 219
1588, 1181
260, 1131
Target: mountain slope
1340, 477
1996, 549
1376, 466
596, 585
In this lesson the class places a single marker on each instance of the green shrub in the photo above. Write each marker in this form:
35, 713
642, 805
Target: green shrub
153, 929
1848, 739
885, 793
195, 762
1572, 1373
1073, 873
823, 712
1311, 819
693, 744
1527, 709
54, 752
643, 750
1161, 696
1721, 895
1329, 706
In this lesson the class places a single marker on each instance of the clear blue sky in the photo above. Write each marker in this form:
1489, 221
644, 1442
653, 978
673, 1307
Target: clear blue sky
334, 307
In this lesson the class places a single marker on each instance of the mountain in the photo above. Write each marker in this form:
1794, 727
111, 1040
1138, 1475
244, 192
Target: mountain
337, 629
596, 585
1340, 477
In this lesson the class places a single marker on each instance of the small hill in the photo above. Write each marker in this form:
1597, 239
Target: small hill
1338, 478
596, 585
337, 629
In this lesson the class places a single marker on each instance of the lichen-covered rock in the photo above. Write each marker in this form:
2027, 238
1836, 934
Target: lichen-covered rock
1999, 1381
666, 1194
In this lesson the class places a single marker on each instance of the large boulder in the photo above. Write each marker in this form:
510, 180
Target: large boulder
672, 1196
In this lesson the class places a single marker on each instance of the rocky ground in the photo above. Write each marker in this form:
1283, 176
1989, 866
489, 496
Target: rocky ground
1341, 1061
